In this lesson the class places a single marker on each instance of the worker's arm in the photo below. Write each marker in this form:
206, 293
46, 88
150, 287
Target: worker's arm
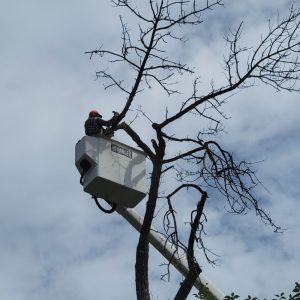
108, 122
109, 130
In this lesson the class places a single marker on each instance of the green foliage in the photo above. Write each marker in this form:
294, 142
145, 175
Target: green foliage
295, 295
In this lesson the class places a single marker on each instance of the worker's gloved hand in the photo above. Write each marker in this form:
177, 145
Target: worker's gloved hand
108, 132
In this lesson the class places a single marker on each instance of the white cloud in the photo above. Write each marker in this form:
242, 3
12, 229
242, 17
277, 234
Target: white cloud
54, 242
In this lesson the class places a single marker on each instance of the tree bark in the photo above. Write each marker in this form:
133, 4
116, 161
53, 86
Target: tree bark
194, 268
142, 252
188, 283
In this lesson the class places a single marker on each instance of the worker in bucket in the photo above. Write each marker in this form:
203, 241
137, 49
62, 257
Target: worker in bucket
94, 124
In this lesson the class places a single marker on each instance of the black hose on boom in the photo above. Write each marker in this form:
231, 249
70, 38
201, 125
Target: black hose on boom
107, 211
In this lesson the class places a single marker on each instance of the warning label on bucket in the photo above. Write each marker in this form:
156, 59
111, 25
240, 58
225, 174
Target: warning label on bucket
121, 150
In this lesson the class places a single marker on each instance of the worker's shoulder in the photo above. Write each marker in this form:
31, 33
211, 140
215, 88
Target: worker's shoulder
94, 120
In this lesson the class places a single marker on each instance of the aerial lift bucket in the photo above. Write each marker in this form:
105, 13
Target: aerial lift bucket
111, 170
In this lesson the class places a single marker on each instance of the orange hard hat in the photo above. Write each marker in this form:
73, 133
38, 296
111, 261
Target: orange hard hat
94, 113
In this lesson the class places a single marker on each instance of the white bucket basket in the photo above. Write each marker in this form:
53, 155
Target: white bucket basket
112, 170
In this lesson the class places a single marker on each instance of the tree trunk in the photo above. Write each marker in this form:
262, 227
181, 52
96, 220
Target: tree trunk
188, 283
142, 252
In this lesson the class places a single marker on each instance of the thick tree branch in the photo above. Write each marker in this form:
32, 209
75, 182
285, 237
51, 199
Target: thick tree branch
194, 268
136, 138
183, 155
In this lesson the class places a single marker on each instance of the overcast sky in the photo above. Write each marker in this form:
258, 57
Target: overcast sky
54, 243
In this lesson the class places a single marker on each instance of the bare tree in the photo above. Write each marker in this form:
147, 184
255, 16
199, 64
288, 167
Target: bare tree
204, 165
